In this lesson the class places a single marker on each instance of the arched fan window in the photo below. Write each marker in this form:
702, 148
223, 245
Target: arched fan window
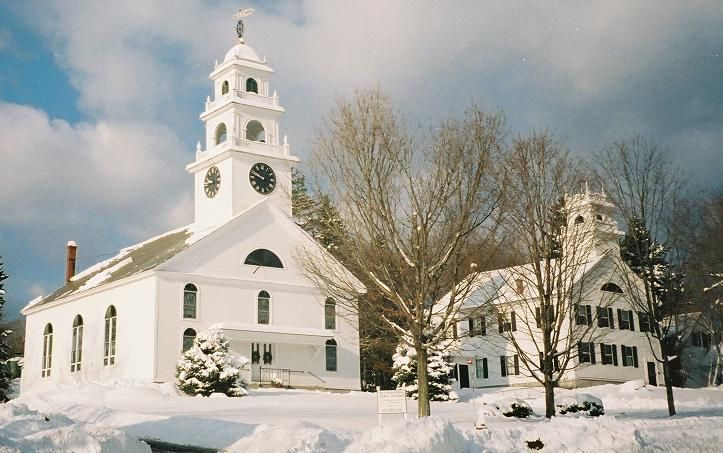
611, 287
263, 257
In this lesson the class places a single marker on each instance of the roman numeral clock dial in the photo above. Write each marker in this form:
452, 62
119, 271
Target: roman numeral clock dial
262, 178
212, 182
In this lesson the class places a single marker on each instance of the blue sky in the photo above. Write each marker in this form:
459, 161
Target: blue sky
99, 101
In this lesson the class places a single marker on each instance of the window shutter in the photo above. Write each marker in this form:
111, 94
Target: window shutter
484, 368
623, 350
602, 353
537, 316
631, 319
470, 323
706, 340
517, 365
579, 352
635, 356
483, 326
501, 322
542, 358
503, 366
615, 355
599, 316
514, 324
620, 318
610, 317
589, 314
592, 352
640, 322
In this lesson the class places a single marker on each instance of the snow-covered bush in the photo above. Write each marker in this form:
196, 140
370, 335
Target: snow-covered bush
513, 407
438, 369
581, 403
208, 367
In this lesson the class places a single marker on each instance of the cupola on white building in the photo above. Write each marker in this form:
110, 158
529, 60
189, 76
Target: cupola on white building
235, 267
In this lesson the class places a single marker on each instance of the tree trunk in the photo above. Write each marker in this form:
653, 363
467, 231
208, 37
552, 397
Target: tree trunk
713, 374
668, 384
549, 396
422, 382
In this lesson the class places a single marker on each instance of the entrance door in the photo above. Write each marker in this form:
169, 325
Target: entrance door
652, 374
463, 376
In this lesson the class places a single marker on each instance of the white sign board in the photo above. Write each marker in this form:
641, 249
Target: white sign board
391, 402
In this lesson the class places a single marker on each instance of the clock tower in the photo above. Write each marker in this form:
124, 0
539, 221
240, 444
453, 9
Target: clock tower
243, 159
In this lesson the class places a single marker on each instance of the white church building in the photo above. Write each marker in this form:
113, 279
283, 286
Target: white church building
605, 335
236, 267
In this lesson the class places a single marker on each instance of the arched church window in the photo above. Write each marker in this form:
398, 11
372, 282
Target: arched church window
220, 133
110, 336
76, 349
190, 299
188, 336
255, 131
331, 355
330, 314
47, 350
579, 219
611, 287
263, 257
263, 300
252, 86
224, 87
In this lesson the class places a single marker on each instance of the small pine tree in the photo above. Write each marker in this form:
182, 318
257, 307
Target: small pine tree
438, 369
5, 353
302, 204
208, 367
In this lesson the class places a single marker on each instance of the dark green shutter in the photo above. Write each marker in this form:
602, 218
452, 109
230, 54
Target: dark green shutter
635, 356
503, 366
484, 368
623, 352
517, 365
610, 317
592, 352
514, 324
620, 318
589, 314
615, 355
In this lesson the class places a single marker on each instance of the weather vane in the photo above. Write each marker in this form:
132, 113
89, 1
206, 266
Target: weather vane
240, 14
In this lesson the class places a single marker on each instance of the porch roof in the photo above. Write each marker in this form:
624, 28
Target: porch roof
274, 334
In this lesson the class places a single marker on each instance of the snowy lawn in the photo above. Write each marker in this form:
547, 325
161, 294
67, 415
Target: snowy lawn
274, 420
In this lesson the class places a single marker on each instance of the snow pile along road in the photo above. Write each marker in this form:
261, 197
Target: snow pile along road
24, 430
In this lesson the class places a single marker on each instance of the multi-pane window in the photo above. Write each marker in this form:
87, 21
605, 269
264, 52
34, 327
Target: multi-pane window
190, 299
626, 320
477, 326
110, 336
700, 339
605, 317
555, 362
583, 315
550, 315
586, 352
47, 350
76, 348
644, 321
630, 355
189, 335
507, 323
509, 365
609, 353
263, 308
481, 368
331, 355
330, 314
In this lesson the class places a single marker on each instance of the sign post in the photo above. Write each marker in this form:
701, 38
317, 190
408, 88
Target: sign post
391, 402
469, 362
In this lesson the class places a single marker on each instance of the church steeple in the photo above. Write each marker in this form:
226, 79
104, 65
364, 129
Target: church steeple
243, 160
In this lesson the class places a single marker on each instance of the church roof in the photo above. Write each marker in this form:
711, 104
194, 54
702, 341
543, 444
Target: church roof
128, 262
243, 52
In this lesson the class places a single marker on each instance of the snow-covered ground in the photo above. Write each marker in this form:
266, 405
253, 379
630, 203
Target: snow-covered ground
106, 418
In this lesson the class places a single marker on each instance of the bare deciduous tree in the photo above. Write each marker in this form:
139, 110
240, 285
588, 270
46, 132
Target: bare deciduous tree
540, 305
647, 189
410, 209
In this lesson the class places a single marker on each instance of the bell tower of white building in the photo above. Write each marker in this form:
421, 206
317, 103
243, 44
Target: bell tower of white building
591, 223
244, 158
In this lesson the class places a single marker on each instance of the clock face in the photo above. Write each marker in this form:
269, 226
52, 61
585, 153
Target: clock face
212, 182
262, 178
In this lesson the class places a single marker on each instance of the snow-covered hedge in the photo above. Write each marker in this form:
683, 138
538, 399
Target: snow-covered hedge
581, 403
208, 367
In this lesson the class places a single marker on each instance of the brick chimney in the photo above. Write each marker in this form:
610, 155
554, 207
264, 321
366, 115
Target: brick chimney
70, 261
520, 286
